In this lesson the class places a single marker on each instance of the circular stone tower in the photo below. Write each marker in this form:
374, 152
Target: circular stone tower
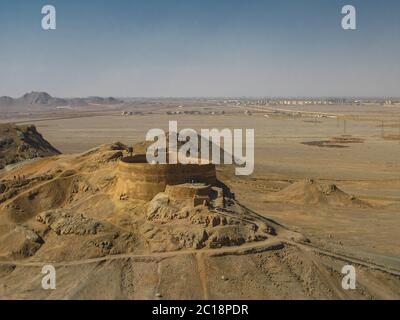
138, 179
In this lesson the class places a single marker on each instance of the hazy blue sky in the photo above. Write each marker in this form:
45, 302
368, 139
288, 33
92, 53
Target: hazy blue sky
200, 48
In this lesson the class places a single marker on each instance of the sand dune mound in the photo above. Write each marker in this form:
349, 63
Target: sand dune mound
311, 192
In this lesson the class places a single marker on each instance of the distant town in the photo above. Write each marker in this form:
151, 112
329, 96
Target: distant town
314, 101
269, 106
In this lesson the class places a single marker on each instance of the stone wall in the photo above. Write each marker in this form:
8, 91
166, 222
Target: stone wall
138, 179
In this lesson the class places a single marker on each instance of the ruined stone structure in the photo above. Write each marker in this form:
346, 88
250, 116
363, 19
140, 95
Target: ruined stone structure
138, 179
198, 193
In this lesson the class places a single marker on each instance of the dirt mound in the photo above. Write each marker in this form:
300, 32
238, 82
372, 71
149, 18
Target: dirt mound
19, 143
311, 192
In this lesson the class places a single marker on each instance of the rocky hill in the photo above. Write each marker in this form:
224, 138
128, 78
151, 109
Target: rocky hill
19, 143
42, 100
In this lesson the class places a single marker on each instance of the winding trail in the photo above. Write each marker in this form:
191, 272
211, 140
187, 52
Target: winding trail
274, 243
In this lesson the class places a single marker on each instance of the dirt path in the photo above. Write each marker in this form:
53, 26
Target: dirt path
202, 270
270, 244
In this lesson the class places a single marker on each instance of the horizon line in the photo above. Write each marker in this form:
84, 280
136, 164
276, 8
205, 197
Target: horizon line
213, 96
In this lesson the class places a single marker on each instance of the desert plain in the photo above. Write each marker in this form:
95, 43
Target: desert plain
326, 181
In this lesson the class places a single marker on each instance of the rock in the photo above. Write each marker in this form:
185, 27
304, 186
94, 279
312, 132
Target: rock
230, 236
159, 208
29, 234
114, 156
6, 141
65, 222
118, 146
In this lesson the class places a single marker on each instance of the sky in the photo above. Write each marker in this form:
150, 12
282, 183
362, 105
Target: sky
200, 48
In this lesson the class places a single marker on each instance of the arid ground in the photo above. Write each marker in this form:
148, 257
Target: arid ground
329, 186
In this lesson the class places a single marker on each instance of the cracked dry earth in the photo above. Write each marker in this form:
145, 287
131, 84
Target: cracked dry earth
63, 210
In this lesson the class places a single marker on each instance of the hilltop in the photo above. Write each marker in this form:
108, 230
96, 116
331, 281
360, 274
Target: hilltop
19, 143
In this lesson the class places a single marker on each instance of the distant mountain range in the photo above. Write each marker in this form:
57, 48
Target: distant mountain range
34, 100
